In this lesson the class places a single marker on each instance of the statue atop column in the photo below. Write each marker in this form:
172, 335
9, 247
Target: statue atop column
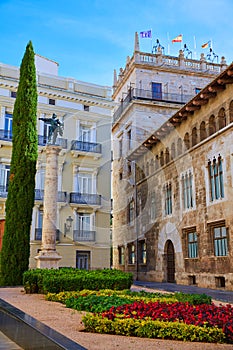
56, 127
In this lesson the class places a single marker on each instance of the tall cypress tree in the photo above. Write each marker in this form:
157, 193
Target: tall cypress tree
20, 200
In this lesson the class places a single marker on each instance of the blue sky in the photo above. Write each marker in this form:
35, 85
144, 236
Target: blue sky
89, 38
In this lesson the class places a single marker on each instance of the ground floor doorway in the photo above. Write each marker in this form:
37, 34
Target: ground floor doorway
170, 261
83, 260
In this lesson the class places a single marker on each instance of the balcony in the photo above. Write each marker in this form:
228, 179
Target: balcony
61, 196
82, 147
38, 234
85, 198
6, 135
39, 194
84, 236
149, 95
43, 140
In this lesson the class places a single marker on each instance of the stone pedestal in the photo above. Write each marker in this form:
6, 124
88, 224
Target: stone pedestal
48, 256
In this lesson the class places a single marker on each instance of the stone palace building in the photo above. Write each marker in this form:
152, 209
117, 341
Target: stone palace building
172, 169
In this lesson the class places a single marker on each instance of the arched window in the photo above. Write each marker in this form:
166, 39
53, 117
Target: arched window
221, 118
202, 131
147, 168
167, 156
173, 151
156, 162
161, 158
186, 140
231, 111
179, 146
212, 125
194, 136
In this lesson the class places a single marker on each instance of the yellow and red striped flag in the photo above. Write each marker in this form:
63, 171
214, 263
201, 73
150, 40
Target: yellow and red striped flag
206, 45
178, 39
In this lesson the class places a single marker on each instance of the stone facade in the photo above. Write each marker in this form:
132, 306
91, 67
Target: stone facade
184, 193
84, 163
146, 179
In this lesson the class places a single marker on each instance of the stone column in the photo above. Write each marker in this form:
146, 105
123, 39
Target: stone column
48, 256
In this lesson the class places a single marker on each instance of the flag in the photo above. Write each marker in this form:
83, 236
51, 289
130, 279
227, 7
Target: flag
178, 39
204, 46
146, 34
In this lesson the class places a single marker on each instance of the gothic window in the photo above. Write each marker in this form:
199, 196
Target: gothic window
179, 146
147, 169
215, 169
194, 136
212, 125
221, 118
131, 212
168, 198
187, 190
186, 140
156, 162
129, 137
167, 156
161, 158
173, 151
202, 131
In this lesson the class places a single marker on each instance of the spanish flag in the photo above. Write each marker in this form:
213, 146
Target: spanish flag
178, 39
206, 45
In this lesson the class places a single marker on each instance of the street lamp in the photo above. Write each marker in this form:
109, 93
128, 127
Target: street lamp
68, 225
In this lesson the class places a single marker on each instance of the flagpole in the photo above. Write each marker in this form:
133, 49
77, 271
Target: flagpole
168, 45
151, 42
195, 47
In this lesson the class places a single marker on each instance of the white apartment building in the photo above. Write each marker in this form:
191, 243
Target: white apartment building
84, 184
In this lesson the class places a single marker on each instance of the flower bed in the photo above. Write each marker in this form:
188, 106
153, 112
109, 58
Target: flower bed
153, 329
178, 316
200, 315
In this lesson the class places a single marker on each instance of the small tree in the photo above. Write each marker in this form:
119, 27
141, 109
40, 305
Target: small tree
20, 200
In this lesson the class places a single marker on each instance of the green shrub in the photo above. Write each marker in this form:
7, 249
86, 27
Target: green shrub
70, 279
96, 303
153, 329
193, 299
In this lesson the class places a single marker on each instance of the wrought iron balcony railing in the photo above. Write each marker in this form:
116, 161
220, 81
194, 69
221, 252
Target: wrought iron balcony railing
6, 135
43, 140
84, 198
61, 196
86, 146
39, 194
80, 235
140, 94
38, 234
